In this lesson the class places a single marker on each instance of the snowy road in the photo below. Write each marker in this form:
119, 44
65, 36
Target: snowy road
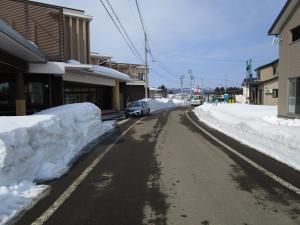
165, 171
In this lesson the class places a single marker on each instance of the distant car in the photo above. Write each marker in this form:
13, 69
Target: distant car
137, 108
196, 100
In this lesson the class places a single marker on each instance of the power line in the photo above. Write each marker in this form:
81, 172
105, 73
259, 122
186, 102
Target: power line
124, 38
140, 15
124, 30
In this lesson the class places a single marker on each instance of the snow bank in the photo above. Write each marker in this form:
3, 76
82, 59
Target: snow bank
40, 147
163, 103
256, 126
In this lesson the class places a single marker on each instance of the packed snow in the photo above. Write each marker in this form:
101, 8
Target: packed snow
256, 126
41, 147
163, 103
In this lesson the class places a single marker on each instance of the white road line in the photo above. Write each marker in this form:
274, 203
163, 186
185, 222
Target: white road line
261, 169
122, 121
67, 193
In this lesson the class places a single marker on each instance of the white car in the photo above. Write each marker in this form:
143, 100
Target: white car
196, 100
137, 108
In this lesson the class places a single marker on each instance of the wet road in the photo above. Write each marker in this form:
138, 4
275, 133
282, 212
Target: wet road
165, 171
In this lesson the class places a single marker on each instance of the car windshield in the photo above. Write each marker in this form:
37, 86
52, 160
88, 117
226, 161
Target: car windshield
135, 104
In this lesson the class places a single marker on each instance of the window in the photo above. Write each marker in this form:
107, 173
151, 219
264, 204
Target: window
258, 75
295, 34
141, 76
294, 95
84, 94
274, 70
35, 93
4, 93
275, 93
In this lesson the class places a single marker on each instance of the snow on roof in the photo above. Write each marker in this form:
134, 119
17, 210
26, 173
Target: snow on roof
97, 70
154, 89
111, 73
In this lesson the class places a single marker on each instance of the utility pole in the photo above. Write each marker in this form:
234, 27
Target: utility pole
202, 81
226, 82
192, 78
181, 84
146, 69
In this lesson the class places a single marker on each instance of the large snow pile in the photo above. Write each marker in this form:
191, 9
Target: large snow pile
256, 126
41, 147
163, 103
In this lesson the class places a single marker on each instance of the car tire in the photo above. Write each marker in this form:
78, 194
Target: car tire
142, 113
148, 113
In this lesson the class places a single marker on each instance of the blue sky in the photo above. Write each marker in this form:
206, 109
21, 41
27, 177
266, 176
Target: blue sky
213, 38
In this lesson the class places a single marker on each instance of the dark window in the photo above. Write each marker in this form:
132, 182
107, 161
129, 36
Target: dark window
4, 93
294, 95
141, 76
258, 75
274, 70
77, 94
35, 93
275, 93
296, 34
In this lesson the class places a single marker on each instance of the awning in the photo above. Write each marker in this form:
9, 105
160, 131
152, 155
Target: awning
136, 83
93, 74
15, 44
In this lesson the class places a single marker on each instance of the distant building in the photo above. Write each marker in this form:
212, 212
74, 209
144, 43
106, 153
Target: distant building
135, 89
264, 90
155, 93
287, 28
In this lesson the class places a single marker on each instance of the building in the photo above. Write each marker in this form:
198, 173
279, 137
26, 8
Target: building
287, 28
155, 93
264, 91
45, 52
136, 87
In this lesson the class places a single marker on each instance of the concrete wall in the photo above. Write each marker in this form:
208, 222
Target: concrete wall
268, 98
267, 73
289, 64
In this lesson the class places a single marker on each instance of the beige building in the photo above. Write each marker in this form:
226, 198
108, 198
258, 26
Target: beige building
264, 91
135, 89
287, 28
54, 67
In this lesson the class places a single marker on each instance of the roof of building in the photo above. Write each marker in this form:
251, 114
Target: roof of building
100, 56
14, 43
248, 81
53, 6
283, 16
258, 82
267, 65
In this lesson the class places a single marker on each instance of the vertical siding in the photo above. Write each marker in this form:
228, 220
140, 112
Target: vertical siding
77, 39
40, 23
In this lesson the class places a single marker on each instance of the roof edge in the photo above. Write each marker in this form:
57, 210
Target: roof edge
267, 65
287, 4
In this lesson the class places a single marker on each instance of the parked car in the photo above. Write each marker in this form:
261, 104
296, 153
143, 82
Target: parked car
137, 108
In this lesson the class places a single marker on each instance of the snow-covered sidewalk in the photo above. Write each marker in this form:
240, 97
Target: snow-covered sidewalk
256, 126
164, 103
41, 147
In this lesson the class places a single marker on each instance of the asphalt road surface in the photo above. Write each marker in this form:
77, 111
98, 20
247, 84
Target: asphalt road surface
165, 171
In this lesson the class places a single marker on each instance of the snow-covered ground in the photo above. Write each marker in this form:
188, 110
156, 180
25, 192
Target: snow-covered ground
256, 126
41, 147
163, 103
